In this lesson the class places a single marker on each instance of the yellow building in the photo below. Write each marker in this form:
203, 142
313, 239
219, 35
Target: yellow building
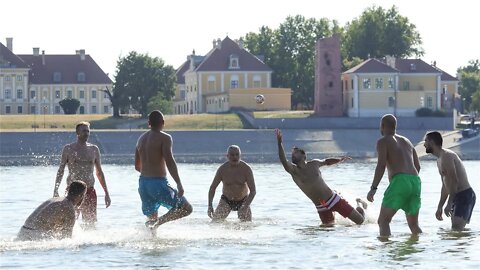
228, 77
396, 86
36, 83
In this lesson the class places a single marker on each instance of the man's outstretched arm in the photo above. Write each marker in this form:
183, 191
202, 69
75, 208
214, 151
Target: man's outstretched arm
281, 152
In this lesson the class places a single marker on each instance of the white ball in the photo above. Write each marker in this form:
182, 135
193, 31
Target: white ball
260, 99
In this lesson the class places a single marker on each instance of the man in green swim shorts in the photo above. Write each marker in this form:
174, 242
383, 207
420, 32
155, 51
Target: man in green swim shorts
398, 155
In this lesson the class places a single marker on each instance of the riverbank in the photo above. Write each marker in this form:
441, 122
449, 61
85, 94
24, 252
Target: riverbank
205, 146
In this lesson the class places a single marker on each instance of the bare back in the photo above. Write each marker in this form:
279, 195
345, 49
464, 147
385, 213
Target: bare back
150, 149
52, 216
453, 172
235, 179
310, 181
400, 155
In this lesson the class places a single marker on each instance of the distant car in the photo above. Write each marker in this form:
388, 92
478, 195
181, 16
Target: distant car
469, 133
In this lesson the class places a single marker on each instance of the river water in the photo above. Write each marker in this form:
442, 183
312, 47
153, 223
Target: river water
284, 233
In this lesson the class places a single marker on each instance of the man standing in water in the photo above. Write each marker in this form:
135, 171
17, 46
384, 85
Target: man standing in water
398, 155
82, 157
153, 155
55, 217
238, 187
307, 176
455, 185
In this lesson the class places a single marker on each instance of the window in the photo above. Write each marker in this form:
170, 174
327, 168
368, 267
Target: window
7, 109
94, 94
378, 83
105, 109
429, 102
211, 83
352, 102
19, 78
182, 94
32, 94
57, 94
367, 84
8, 78
19, 93
234, 62
391, 101
69, 94
234, 82
257, 81
8, 94
352, 84
81, 77
19, 109
57, 109
390, 83
57, 77
82, 110
33, 110
94, 109
82, 94
105, 95
406, 85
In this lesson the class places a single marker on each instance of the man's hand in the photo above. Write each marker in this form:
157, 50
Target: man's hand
107, 200
180, 190
370, 195
448, 210
210, 211
438, 214
279, 135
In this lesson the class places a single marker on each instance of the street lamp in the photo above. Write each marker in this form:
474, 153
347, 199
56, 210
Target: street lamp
34, 114
44, 110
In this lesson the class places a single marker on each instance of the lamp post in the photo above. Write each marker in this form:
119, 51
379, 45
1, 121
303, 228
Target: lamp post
34, 115
44, 110
215, 104
129, 109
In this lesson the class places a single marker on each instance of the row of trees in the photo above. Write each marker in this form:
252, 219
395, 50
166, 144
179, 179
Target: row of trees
470, 85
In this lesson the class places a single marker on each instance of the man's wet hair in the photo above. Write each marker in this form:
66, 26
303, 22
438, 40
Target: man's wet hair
298, 149
76, 188
83, 123
390, 121
155, 119
435, 137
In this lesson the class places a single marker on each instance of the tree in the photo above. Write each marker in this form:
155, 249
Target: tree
139, 78
159, 102
470, 85
69, 105
379, 32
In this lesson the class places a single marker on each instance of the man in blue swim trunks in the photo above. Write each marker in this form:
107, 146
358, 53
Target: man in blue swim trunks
455, 185
153, 155
398, 155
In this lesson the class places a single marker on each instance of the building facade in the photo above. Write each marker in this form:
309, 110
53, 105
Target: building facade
36, 83
396, 86
228, 77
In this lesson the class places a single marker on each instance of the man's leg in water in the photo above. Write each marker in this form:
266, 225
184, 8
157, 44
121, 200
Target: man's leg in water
358, 214
174, 213
412, 221
384, 219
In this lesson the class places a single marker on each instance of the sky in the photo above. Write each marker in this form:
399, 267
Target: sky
170, 30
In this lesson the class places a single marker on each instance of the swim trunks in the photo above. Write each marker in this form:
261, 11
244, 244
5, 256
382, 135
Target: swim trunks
234, 205
463, 204
89, 206
155, 192
334, 203
403, 192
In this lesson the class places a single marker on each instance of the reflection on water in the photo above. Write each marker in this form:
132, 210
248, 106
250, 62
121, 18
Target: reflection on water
400, 250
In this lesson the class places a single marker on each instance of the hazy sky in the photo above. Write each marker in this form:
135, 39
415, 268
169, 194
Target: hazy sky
170, 30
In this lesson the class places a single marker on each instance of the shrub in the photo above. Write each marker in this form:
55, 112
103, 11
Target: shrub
423, 112
69, 105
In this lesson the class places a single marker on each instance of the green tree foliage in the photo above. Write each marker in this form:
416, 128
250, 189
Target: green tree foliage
140, 77
290, 52
159, 102
470, 85
69, 105
379, 32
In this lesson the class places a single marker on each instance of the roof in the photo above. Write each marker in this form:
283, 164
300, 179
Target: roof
372, 66
9, 60
69, 67
181, 71
219, 59
414, 66
445, 76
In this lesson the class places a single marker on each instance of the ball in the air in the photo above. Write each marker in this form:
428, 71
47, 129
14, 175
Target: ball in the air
260, 99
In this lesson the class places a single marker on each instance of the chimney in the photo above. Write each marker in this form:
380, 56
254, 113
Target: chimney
240, 43
10, 43
390, 61
82, 54
36, 51
43, 57
219, 43
214, 43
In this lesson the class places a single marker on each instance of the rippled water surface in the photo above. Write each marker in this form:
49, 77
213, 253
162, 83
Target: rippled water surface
284, 234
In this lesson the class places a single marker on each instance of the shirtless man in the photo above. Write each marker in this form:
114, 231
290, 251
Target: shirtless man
81, 158
398, 155
455, 185
153, 155
55, 217
307, 176
238, 187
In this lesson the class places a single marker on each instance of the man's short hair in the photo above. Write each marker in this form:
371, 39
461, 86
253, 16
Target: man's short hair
155, 119
390, 121
83, 123
76, 188
435, 137
234, 146
298, 149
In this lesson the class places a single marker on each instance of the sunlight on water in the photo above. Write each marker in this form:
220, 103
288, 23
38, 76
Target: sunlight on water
285, 231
